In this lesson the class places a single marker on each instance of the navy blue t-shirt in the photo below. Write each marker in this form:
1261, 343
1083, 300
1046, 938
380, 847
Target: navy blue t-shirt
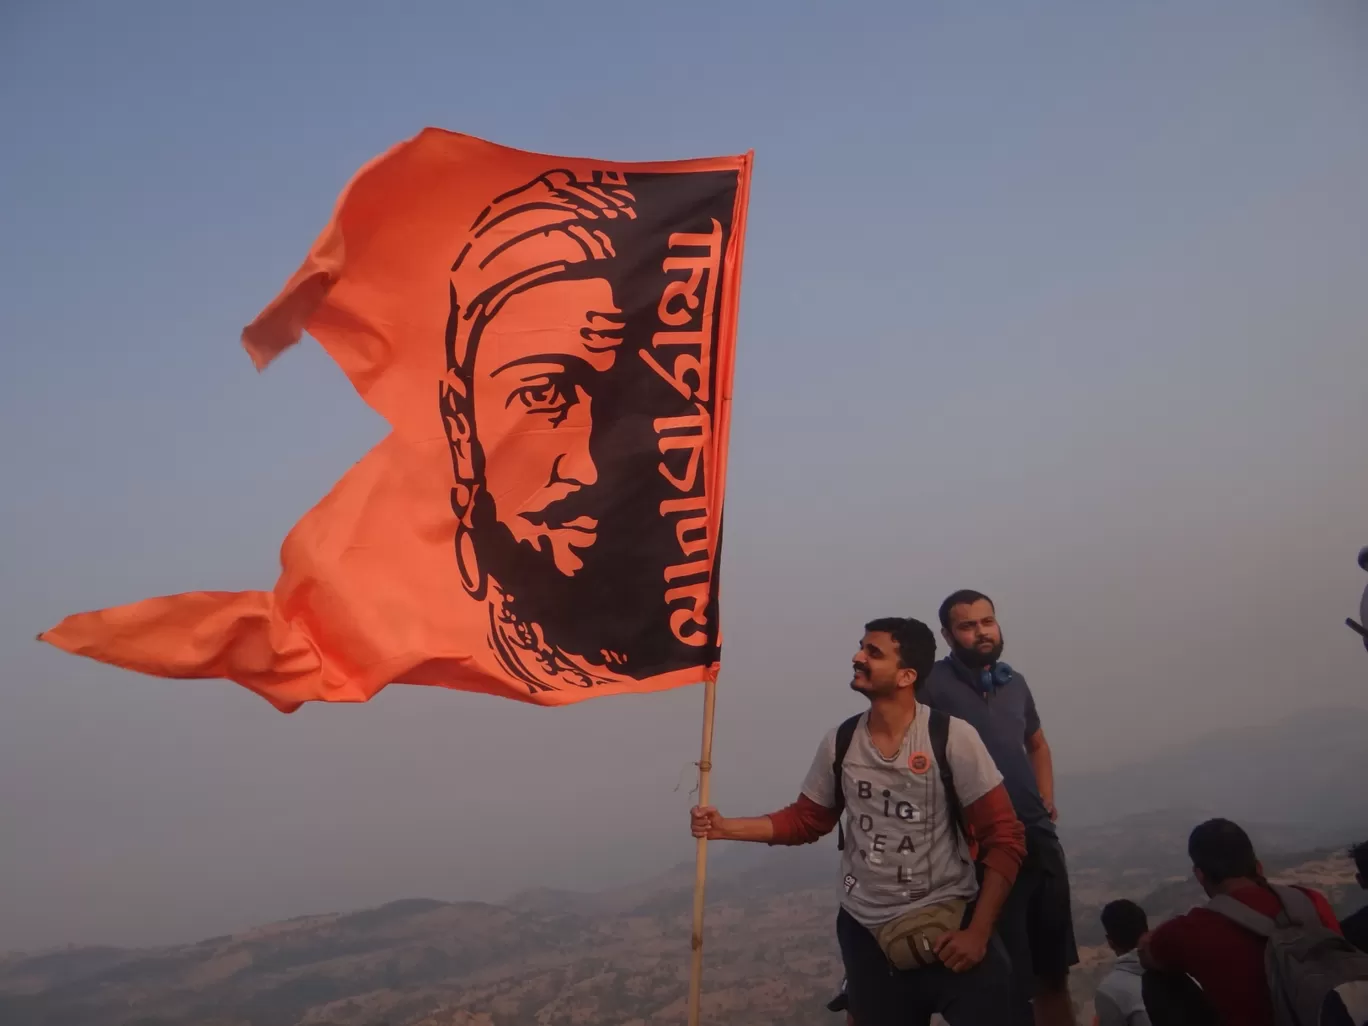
1004, 718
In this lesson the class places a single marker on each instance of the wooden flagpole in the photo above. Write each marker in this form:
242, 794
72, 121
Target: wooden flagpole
701, 868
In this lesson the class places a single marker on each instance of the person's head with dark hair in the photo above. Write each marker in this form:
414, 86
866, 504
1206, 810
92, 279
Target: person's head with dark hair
1359, 853
1124, 923
896, 653
1222, 854
963, 597
969, 625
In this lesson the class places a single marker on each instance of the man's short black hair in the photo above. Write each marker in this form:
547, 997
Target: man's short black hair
916, 642
1222, 851
963, 597
1125, 923
1359, 853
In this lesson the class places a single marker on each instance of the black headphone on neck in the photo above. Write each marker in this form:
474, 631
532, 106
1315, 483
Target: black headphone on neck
991, 678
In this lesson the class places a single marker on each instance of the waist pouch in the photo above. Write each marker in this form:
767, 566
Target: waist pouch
909, 942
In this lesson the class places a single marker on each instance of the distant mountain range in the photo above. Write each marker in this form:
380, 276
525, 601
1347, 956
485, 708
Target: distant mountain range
559, 958
553, 958
546, 958
1308, 771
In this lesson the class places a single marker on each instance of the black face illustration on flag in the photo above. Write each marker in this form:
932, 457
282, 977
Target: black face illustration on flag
551, 342
579, 405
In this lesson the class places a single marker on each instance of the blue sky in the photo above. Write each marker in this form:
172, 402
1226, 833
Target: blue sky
1062, 301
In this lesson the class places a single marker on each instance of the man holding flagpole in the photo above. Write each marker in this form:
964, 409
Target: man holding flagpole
915, 789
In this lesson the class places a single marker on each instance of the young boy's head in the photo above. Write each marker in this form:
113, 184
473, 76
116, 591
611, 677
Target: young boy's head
1124, 923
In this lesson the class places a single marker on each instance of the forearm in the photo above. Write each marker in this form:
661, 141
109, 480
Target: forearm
992, 895
802, 822
749, 828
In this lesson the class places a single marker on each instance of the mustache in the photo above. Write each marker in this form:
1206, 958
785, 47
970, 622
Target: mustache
980, 653
562, 512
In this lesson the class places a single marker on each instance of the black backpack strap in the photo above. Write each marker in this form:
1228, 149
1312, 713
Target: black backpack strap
939, 728
845, 733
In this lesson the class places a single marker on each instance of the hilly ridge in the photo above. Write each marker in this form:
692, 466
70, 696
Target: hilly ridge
560, 958
548, 957
1308, 771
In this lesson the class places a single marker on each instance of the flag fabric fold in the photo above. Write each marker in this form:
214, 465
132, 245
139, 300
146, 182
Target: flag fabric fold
551, 341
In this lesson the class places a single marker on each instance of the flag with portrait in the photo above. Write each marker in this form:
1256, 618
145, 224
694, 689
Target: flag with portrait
550, 340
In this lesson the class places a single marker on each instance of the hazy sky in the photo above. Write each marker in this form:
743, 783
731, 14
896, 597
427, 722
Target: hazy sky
1064, 301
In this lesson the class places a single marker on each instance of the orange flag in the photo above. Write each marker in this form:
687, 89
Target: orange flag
551, 340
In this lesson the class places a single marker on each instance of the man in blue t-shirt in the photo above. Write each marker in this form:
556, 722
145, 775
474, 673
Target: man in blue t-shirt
974, 684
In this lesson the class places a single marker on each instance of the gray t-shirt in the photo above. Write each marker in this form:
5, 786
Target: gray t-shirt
901, 849
1119, 1000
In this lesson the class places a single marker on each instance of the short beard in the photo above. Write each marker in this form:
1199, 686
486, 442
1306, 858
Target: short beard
577, 614
977, 660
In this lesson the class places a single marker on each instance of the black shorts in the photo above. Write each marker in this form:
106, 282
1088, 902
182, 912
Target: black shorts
880, 995
1036, 923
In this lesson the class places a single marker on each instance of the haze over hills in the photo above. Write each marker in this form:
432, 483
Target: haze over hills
548, 957
1309, 771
